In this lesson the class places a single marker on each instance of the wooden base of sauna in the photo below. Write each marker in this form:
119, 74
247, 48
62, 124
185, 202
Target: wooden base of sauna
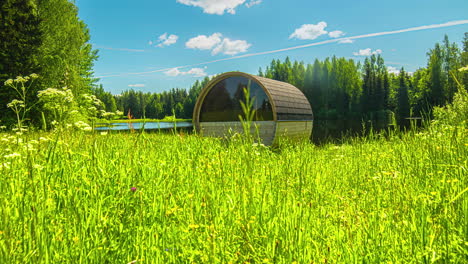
271, 132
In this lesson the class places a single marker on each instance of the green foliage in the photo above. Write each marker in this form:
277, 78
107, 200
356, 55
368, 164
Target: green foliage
45, 37
403, 107
455, 113
248, 113
464, 61
20, 39
65, 53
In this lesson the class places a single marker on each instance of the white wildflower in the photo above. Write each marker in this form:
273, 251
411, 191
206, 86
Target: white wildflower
29, 147
9, 82
12, 155
20, 79
38, 167
16, 103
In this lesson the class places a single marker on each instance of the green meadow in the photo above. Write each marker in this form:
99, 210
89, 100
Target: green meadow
79, 197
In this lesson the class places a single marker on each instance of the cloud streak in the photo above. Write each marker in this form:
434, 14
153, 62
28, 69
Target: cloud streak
136, 85
119, 49
383, 33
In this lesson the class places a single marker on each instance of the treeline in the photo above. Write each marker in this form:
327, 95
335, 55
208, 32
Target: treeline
340, 88
337, 88
43, 37
178, 102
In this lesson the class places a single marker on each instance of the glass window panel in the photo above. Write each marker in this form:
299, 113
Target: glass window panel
222, 103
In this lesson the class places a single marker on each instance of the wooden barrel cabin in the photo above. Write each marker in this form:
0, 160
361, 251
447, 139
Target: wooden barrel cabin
281, 109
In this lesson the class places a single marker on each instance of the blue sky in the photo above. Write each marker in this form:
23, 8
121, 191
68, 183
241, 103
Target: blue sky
141, 43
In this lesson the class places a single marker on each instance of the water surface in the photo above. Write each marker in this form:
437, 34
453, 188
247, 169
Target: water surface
147, 126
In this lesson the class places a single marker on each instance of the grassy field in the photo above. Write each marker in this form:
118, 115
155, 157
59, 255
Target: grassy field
150, 198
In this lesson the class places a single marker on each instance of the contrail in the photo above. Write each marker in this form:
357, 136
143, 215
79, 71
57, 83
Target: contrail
384, 33
120, 49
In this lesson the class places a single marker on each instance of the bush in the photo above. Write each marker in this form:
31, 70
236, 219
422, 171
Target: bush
455, 113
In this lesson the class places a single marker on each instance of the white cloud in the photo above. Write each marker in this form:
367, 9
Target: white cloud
393, 70
345, 41
310, 31
367, 52
165, 40
217, 44
173, 72
136, 85
231, 47
217, 7
195, 72
203, 42
253, 3
396, 71
336, 34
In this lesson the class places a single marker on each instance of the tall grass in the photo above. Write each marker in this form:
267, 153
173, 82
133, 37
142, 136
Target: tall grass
153, 198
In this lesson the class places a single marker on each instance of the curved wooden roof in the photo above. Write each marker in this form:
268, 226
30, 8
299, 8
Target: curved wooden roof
287, 101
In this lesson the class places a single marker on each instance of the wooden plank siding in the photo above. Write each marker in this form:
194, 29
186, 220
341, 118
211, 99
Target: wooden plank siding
296, 130
290, 103
266, 129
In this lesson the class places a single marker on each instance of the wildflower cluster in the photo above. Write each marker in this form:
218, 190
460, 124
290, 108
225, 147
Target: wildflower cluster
82, 126
91, 106
59, 104
20, 105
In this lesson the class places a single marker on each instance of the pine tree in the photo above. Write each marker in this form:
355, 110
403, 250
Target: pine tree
403, 106
20, 39
366, 87
437, 79
451, 64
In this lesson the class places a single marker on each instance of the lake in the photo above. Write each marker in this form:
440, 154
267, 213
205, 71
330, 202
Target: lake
148, 126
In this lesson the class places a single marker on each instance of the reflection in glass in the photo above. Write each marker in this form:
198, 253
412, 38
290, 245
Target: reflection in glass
222, 103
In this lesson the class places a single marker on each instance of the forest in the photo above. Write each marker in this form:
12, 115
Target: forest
44, 46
